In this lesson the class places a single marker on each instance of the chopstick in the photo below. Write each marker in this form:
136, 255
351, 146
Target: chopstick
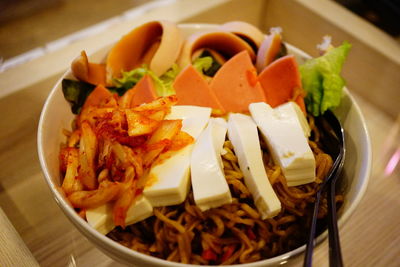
310, 243
335, 253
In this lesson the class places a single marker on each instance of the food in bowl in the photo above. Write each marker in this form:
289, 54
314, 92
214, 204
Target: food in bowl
127, 156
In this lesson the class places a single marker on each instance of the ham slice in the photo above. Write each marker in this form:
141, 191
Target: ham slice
236, 85
156, 43
269, 50
192, 89
280, 80
222, 42
88, 72
143, 92
100, 97
246, 31
97, 102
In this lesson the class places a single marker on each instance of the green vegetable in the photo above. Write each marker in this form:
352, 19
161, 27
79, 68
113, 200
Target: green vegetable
321, 80
76, 93
206, 64
202, 64
163, 83
130, 78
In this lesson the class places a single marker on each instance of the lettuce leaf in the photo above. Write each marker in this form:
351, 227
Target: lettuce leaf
206, 64
130, 78
202, 64
163, 84
76, 92
321, 80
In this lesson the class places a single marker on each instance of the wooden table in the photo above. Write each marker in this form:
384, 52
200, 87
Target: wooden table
371, 236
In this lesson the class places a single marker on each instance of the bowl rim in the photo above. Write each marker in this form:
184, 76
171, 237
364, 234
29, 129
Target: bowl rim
106, 243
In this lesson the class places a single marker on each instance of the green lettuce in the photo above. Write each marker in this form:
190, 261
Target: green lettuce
321, 80
130, 78
163, 84
76, 92
202, 64
206, 64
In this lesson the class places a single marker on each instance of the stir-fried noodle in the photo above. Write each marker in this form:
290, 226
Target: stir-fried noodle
233, 233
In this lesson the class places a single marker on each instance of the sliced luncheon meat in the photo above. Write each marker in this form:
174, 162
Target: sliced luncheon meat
143, 92
281, 82
88, 72
222, 42
100, 97
246, 31
98, 100
269, 50
236, 85
156, 43
192, 89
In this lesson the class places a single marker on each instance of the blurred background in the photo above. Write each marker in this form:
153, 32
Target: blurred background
27, 24
384, 14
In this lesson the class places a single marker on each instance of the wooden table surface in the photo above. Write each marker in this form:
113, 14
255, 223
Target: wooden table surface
371, 237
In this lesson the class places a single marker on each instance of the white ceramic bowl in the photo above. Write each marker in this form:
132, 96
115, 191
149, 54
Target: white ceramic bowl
56, 115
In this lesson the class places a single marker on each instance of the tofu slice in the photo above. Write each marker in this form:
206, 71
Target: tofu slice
101, 218
210, 189
139, 211
170, 181
242, 132
292, 110
284, 135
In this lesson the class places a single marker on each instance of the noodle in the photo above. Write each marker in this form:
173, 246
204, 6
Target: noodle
233, 233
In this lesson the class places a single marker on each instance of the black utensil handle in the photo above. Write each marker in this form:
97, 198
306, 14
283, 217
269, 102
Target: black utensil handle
310, 243
335, 253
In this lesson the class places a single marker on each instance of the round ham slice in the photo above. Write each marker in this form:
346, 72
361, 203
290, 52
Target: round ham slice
223, 42
88, 72
268, 50
156, 43
246, 31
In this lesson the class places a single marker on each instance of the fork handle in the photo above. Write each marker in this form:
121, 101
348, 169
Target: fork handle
335, 254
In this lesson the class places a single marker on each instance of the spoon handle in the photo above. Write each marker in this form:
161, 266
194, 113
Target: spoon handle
310, 243
335, 254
